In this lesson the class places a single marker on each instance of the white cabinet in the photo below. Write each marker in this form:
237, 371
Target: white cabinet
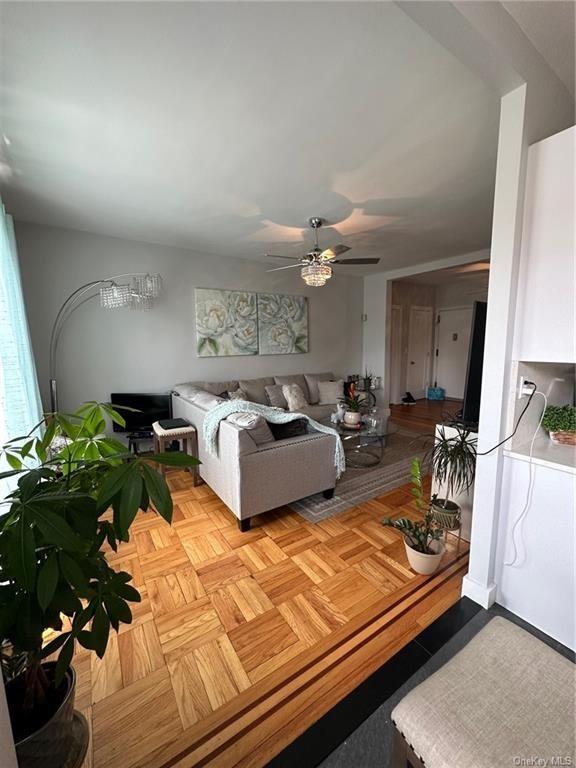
540, 586
545, 299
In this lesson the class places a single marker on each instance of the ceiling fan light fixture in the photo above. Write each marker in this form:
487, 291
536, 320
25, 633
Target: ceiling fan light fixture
316, 275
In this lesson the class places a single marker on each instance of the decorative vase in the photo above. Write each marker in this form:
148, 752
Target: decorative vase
352, 418
422, 563
63, 740
446, 514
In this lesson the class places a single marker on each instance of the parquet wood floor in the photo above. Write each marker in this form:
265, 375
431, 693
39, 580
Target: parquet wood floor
243, 640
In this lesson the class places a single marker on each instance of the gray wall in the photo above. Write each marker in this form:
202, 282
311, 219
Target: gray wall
103, 351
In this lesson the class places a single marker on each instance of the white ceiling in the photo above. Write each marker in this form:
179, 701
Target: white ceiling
477, 272
550, 25
220, 127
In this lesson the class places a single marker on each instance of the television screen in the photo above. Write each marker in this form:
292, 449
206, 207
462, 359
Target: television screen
150, 408
471, 405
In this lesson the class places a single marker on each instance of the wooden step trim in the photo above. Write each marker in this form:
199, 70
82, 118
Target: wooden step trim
198, 746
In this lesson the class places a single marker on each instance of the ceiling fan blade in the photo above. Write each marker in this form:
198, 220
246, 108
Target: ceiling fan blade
350, 262
336, 250
290, 266
275, 256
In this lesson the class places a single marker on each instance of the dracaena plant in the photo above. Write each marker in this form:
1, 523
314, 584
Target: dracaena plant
54, 530
422, 533
453, 462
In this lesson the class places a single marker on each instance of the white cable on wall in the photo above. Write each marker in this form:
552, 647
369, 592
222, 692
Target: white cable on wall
528, 502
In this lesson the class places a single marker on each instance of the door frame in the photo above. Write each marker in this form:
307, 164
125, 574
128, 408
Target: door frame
428, 368
395, 395
437, 333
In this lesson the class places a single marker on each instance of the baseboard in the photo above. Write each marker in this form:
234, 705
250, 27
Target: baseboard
481, 594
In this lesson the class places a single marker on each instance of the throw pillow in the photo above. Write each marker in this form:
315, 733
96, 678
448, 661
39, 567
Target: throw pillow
276, 396
294, 397
312, 380
257, 426
290, 429
238, 394
330, 391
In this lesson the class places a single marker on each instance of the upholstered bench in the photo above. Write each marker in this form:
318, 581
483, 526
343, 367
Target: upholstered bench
186, 436
504, 700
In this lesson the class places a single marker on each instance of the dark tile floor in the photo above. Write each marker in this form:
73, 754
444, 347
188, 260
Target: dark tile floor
357, 733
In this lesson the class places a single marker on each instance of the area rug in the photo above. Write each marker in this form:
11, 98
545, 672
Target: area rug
358, 485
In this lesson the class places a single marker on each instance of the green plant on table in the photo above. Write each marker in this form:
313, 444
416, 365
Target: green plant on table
53, 536
560, 418
353, 400
422, 533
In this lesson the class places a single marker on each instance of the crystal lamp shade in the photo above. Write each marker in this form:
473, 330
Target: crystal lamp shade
316, 274
148, 286
141, 302
115, 296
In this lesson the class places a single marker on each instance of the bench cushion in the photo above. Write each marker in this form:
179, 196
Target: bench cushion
505, 696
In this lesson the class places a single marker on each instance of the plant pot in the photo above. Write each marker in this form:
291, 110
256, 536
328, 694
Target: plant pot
446, 514
563, 438
352, 417
422, 563
62, 741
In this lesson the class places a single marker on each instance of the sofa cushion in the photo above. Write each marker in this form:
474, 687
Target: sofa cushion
330, 391
256, 389
257, 426
216, 387
319, 412
275, 396
207, 401
312, 380
238, 394
290, 429
294, 397
297, 378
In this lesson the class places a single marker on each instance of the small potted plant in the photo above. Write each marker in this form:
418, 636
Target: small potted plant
424, 549
453, 466
560, 421
353, 404
56, 586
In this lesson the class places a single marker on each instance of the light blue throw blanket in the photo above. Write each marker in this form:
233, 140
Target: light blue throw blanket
275, 415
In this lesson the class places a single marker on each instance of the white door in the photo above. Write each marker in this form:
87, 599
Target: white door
452, 341
419, 350
396, 354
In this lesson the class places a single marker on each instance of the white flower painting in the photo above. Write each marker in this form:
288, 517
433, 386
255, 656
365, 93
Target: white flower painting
282, 324
244, 323
226, 323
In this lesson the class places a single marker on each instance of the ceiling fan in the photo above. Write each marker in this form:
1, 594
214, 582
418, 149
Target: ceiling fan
316, 264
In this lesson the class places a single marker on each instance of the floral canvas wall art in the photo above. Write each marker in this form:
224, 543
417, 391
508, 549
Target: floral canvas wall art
282, 324
226, 323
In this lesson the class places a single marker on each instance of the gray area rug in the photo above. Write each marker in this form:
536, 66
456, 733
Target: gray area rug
370, 745
357, 485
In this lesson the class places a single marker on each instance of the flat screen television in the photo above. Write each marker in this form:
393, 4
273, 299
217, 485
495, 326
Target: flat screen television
150, 408
471, 405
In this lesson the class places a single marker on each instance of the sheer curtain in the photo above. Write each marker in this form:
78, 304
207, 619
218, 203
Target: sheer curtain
20, 406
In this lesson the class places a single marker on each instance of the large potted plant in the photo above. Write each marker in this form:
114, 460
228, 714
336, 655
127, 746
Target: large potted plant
424, 549
560, 421
453, 466
69, 504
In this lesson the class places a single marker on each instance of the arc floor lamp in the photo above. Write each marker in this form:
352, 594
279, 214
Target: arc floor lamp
139, 294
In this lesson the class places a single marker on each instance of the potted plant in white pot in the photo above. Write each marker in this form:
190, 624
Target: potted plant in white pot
453, 466
424, 549
560, 422
353, 404
54, 577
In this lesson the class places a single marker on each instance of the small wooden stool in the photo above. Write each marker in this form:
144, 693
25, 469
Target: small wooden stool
189, 442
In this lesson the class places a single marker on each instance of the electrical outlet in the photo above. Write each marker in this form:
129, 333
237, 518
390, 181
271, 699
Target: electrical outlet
525, 388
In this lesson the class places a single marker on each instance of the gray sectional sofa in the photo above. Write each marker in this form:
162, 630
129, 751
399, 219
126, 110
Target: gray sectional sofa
253, 472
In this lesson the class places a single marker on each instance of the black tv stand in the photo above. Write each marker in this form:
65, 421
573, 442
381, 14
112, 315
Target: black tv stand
135, 438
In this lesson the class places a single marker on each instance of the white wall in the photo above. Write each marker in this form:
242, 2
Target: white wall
463, 292
102, 351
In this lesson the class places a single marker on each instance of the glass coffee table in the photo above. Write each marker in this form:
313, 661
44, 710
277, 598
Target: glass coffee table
364, 446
